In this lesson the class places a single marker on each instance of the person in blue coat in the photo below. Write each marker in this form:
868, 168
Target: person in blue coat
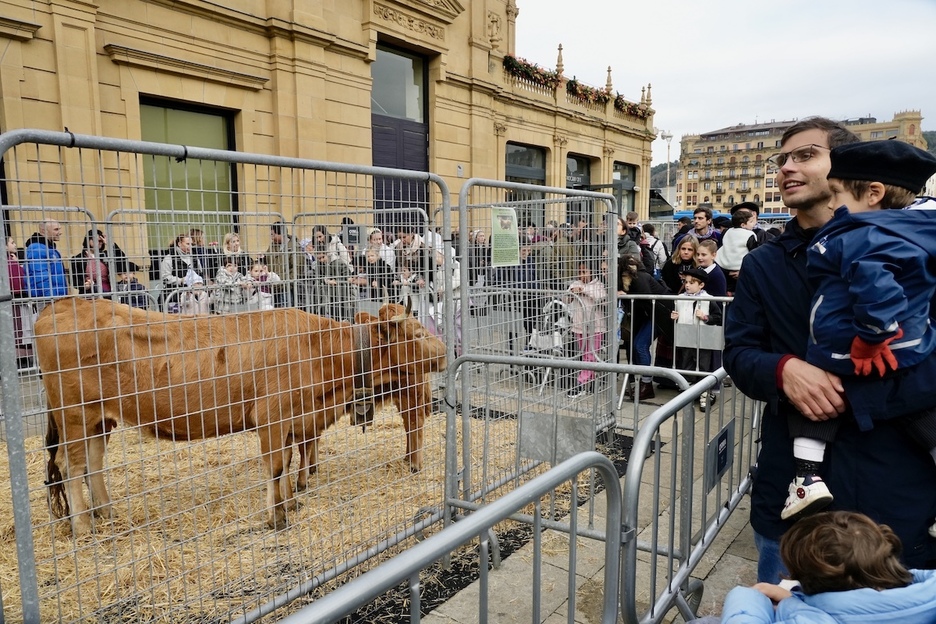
45, 271
872, 269
880, 472
848, 570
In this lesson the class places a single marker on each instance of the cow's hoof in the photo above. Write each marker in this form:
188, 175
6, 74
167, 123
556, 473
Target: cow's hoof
81, 525
278, 521
105, 512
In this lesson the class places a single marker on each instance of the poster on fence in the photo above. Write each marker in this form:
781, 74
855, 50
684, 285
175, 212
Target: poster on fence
505, 238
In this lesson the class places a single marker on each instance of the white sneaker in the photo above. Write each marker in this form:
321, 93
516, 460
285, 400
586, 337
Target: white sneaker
932, 530
808, 495
704, 399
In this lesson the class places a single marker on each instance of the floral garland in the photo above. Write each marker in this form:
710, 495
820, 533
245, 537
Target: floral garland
521, 68
629, 108
588, 94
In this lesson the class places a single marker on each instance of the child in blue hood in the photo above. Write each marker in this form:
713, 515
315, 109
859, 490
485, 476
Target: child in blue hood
848, 569
873, 267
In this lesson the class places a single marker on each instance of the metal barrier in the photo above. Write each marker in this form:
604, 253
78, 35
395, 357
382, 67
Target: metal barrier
408, 565
676, 504
186, 531
527, 275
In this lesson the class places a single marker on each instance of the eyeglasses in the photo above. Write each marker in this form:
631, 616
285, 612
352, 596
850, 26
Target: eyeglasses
799, 155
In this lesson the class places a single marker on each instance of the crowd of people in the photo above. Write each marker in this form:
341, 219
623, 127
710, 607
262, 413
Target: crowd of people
335, 275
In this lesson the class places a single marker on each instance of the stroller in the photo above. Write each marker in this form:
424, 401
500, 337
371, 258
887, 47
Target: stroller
550, 340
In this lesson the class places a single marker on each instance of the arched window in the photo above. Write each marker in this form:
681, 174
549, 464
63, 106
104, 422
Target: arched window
912, 130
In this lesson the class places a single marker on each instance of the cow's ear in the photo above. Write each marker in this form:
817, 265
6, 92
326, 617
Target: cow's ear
363, 317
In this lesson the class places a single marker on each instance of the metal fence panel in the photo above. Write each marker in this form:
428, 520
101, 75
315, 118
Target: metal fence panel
185, 535
688, 472
541, 287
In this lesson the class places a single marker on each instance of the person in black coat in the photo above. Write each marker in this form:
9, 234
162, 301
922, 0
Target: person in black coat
648, 318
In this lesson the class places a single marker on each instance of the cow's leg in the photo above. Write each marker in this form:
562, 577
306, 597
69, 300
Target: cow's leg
73, 464
308, 461
272, 444
100, 499
285, 485
412, 402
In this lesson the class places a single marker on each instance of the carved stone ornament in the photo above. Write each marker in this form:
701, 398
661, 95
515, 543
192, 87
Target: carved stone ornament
409, 22
443, 10
560, 140
494, 29
500, 129
512, 10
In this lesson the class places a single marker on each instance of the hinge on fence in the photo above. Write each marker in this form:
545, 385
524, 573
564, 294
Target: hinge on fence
627, 535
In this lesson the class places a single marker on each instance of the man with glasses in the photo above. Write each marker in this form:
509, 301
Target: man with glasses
879, 472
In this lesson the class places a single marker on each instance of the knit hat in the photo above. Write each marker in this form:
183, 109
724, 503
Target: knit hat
889, 162
697, 273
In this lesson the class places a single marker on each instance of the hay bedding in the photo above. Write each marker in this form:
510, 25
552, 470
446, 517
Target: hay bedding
189, 541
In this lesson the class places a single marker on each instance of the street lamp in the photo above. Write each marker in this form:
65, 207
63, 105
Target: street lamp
667, 136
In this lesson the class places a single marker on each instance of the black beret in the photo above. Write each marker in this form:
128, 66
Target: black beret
696, 272
748, 205
722, 221
889, 162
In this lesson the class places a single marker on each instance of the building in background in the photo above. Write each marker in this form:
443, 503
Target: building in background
728, 166
415, 84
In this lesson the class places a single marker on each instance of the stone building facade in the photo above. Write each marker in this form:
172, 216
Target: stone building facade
419, 84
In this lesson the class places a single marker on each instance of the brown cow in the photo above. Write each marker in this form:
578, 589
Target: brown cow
286, 373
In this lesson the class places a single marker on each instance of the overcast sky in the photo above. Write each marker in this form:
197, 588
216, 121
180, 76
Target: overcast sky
717, 63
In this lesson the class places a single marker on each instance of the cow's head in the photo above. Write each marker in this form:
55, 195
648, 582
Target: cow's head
411, 348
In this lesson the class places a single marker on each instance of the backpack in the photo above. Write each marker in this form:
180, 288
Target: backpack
656, 247
648, 258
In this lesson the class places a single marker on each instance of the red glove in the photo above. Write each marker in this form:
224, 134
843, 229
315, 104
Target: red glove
864, 355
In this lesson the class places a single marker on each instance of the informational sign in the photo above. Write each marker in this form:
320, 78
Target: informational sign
505, 237
718, 455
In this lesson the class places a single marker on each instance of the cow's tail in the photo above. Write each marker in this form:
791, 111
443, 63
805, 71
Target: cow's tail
58, 502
